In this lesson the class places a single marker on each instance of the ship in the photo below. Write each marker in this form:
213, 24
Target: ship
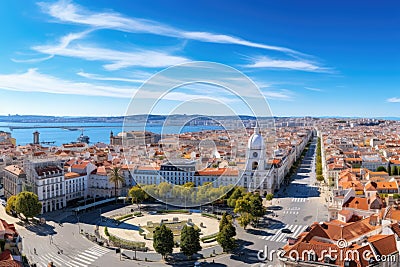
83, 138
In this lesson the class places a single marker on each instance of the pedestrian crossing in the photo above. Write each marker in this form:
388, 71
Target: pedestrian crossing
299, 199
278, 236
82, 259
291, 212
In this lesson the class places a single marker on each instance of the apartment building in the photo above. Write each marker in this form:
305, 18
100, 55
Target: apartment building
13, 180
45, 177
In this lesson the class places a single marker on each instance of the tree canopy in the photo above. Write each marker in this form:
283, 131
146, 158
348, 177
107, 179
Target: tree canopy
250, 208
225, 236
116, 178
10, 207
163, 240
269, 197
137, 194
190, 240
27, 203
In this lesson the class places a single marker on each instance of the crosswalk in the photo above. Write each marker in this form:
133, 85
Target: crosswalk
292, 210
278, 236
82, 259
299, 199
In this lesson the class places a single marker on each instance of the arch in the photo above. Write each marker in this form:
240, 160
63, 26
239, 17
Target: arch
254, 165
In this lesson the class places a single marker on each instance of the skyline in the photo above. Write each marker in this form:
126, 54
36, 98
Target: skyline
71, 58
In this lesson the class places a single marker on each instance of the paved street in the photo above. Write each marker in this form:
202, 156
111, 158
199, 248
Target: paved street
294, 207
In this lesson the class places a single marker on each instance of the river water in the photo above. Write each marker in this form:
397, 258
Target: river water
102, 134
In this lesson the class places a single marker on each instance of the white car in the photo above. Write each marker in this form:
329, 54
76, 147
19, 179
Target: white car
3, 202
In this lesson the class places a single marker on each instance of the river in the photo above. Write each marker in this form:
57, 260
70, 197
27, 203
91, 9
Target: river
101, 134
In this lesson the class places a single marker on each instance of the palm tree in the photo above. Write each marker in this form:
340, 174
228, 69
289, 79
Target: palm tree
115, 177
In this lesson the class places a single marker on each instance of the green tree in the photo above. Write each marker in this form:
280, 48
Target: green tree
190, 240
243, 207
137, 194
236, 194
189, 185
164, 189
116, 178
381, 169
10, 207
320, 178
225, 237
396, 171
224, 221
269, 197
27, 203
163, 240
257, 209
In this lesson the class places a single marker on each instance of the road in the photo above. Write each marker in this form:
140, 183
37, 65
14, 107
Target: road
297, 206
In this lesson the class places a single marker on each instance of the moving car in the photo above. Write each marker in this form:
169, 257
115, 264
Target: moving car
286, 231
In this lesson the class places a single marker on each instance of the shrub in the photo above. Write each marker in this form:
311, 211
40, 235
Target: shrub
2, 244
209, 215
124, 217
209, 238
172, 211
106, 231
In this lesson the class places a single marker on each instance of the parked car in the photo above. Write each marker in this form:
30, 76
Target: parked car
3, 202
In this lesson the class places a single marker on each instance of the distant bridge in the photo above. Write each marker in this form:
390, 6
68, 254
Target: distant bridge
71, 128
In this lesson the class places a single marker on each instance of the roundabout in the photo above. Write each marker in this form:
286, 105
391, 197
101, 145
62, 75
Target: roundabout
140, 229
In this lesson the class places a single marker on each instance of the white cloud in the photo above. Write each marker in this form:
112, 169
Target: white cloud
68, 12
102, 78
313, 89
34, 81
117, 59
393, 100
282, 94
303, 65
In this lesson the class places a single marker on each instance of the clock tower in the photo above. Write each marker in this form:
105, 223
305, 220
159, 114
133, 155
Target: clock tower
255, 151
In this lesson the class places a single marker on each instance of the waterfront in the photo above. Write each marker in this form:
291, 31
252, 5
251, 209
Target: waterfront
101, 134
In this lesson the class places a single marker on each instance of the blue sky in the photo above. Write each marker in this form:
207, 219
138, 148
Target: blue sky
317, 58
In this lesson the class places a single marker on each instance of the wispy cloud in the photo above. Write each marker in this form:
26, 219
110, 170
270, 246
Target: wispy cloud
68, 12
34, 81
102, 78
299, 64
313, 89
281, 94
393, 100
117, 59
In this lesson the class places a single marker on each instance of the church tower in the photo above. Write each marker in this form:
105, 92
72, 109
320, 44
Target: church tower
256, 175
111, 138
255, 151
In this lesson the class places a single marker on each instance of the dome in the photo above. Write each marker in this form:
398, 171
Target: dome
256, 141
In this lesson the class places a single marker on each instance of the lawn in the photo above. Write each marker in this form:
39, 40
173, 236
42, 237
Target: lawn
176, 228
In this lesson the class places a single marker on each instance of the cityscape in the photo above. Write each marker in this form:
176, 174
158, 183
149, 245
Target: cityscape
199, 134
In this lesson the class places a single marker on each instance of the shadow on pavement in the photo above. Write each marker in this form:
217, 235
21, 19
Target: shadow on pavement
40, 230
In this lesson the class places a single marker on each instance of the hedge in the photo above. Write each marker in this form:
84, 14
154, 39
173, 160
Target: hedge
124, 217
209, 238
210, 215
172, 211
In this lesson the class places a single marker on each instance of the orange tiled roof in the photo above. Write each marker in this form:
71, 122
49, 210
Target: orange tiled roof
218, 172
387, 185
360, 203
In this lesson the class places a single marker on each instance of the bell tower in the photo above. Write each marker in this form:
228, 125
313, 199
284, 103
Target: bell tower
256, 151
